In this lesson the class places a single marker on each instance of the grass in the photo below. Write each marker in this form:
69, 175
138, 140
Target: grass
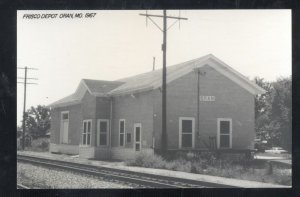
207, 163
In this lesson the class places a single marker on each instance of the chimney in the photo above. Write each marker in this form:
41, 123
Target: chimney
153, 64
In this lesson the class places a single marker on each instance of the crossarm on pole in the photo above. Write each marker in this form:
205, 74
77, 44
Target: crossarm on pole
171, 17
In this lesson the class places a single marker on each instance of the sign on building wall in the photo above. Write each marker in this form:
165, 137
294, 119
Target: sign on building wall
207, 98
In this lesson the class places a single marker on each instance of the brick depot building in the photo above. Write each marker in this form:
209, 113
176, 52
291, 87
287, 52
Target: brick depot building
118, 119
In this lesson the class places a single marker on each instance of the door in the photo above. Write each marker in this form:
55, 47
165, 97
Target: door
65, 132
64, 127
137, 137
102, 132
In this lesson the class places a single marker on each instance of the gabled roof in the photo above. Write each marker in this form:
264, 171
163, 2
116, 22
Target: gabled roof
94, 87
68, 100
100, 87
152, 80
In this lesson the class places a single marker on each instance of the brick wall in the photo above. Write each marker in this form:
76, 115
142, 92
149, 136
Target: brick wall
102, 153
134, 109
87, 152
127, 153
75, 119
77, 113
64, 148
102, 111
231, 101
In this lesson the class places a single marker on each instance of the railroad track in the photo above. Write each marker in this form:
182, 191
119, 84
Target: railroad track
134, 179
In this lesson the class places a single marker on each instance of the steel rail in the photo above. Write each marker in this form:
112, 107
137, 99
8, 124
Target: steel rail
141, 179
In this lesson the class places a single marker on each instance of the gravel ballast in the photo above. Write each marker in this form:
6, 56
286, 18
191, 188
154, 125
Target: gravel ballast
163, 172
37, 177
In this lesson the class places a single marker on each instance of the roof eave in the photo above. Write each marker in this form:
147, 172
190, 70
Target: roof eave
134, 91
64, 104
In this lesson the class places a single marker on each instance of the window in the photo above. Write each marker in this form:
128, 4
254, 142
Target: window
86, 133
102, 130
128, 138
65, 115
121, 132
186, 132
224, 133
137, 136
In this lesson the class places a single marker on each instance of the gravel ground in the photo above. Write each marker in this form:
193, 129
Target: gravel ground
43, 178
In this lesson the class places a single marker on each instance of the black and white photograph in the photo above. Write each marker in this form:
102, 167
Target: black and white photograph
134, 99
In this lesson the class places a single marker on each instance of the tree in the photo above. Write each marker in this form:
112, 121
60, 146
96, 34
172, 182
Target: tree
281, 112
273, 112
37, 121
262, 109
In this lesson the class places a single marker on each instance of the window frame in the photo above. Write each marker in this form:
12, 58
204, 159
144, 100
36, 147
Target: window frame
99, 132
124, 133
219, 132
82, 133
180, 132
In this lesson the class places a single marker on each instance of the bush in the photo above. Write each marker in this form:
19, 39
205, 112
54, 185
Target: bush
147, 160
39, 145
230, 166
182, 165
172, 165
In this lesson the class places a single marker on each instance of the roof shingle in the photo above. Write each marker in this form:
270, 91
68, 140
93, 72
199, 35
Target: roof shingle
153, 79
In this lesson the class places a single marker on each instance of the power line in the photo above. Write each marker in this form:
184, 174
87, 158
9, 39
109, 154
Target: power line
164, 141
24, 107
162, 16
28, 78
27, 68
28, 83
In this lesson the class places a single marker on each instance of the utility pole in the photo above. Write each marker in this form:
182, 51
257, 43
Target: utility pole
164, 134
164, 140
198, 102
24, 105
199, 73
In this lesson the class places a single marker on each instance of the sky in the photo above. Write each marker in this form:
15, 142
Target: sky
115, 44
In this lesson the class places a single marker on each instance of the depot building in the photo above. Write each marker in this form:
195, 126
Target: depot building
209, 106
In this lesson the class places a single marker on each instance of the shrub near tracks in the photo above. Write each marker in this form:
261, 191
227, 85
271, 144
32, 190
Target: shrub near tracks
207, 163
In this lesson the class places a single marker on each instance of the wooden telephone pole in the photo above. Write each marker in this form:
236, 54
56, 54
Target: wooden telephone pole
24, 105
164, 141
